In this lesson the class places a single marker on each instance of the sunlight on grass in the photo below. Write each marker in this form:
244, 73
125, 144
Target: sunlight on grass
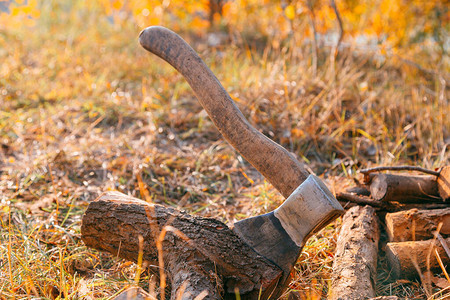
83, 109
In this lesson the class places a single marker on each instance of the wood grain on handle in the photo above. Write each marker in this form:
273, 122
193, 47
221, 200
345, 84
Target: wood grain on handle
274, 162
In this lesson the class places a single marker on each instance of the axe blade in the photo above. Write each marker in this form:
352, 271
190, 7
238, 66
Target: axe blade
280, 235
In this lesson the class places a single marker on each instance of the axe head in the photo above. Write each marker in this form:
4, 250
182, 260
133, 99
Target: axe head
280, 235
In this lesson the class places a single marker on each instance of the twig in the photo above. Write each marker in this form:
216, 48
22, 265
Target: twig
444, 244
445, 75
384, 206
341, 27
399, 168
312, 20
362, 200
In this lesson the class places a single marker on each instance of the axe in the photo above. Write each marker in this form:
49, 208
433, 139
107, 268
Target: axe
279, 235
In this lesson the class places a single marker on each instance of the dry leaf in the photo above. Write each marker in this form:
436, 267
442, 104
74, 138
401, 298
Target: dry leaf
36, 207
441, 283
83, 291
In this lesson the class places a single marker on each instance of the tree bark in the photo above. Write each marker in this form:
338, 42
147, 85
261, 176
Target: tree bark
202, 252
355, 263
417, 224
403, 256
402, 188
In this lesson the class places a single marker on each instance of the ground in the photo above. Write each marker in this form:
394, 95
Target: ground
84, 109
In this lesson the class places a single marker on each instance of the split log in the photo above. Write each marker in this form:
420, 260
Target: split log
417, 224
443, 182
405, 257
402, 188
197, 254
355, 263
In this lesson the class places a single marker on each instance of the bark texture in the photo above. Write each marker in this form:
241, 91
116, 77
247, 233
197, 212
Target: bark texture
403, 256
417, 224
204, 252
355, 263
402, 188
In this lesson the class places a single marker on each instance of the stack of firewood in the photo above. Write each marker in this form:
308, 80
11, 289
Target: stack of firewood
414, 210
418, 241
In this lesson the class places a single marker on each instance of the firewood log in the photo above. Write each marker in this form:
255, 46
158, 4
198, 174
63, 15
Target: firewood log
355, 264
197, 254
403, 188
408, 258
417, 224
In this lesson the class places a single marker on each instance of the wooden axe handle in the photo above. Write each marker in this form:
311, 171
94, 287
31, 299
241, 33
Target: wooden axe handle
274, 162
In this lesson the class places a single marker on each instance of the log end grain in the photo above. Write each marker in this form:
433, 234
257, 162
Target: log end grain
409, 259
443, 182
404, 188
394, 262
379, 187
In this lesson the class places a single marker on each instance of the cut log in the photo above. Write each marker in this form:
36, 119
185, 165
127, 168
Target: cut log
355, 263
417, 224
403, 256
198, 254
402, 188
443, 182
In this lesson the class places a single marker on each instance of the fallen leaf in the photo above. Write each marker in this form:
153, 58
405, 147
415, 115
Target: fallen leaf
441, 283
83, 291
134, 293
36, 207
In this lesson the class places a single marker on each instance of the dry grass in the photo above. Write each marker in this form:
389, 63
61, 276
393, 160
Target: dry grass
84, 109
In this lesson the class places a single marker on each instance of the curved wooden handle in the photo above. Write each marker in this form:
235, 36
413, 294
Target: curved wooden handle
274, 162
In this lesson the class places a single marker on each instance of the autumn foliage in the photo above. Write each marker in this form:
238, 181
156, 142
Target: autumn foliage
405, 26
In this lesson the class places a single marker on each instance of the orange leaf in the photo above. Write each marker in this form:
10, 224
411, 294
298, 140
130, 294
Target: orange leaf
290, 12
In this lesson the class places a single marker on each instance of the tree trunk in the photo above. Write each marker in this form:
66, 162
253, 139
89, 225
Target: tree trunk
403, 256
202, 252
401, 188
355, 263
416, 224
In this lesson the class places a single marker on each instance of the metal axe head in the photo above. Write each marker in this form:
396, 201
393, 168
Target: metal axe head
280, 235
